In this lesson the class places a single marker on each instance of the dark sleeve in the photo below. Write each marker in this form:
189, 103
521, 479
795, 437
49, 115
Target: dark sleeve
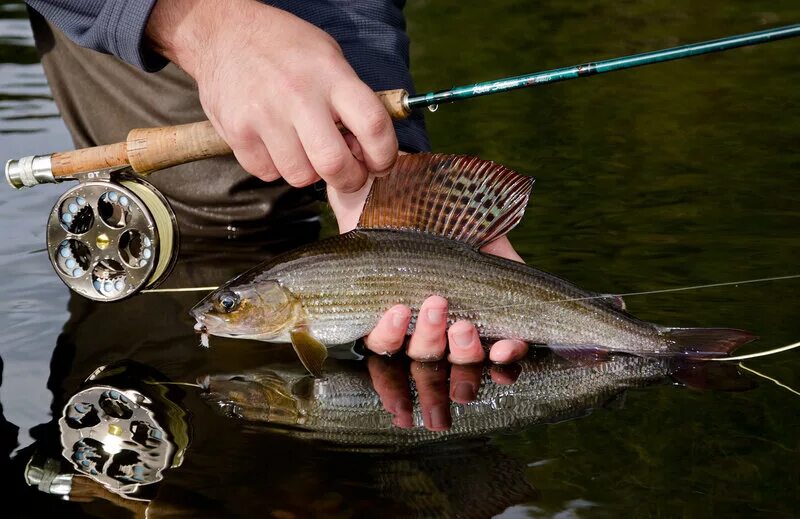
110, 26
373, 37
371, 33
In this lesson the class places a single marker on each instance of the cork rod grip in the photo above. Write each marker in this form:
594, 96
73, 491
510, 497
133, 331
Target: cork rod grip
152, 149
69, 163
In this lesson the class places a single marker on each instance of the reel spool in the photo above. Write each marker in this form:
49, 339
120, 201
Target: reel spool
111, 236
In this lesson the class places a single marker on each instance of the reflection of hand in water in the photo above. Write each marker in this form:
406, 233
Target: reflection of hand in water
390, 380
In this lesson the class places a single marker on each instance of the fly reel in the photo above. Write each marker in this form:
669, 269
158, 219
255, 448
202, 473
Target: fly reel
111, 235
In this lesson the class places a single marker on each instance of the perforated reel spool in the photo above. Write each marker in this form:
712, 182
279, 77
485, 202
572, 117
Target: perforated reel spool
109, 238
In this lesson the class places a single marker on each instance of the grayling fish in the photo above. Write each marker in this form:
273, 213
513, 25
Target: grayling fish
344, 409
419, 234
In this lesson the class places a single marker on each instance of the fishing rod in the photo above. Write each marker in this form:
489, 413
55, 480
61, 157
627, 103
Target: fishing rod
133, 248
151, 149
433, 99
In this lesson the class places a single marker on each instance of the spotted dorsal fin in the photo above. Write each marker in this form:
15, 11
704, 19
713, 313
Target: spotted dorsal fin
459, 197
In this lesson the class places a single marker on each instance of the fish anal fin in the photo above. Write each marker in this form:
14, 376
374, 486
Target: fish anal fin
311, 352
581, 353
456, 196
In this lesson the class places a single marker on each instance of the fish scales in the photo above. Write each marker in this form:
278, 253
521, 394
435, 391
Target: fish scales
346, 283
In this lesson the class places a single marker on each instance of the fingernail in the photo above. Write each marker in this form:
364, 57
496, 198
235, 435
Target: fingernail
435, 315
398, 319
463, 338
464, 392
440, 417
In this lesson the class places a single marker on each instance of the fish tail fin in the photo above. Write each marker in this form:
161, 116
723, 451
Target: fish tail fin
707, 342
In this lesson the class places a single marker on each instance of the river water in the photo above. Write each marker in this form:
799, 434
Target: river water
668, 176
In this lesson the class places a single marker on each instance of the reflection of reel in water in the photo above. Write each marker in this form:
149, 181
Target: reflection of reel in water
124, 429
109, 238
110, 436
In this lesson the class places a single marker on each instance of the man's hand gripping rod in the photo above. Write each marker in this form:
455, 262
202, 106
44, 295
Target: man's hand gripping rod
147, 150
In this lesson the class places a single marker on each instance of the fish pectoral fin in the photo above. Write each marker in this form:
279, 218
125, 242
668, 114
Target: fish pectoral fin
312, 353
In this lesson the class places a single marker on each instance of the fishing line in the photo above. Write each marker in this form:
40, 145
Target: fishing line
776, 382
647, 292
187, 289
189, 384
587, 298
759, 354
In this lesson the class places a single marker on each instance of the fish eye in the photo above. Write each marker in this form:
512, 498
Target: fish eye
228, 301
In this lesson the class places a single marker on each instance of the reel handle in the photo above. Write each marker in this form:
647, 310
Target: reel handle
150, 149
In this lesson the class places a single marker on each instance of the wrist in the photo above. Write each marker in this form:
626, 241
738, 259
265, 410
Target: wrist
185, 31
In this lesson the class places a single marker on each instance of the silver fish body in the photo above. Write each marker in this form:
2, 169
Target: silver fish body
345, 283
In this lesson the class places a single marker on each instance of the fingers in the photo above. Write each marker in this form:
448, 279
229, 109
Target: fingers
431, 337
502, 247
327, 150
390, 380
507, 351
465, 345
353, 144
465, 382
250, 152
288, 154
364, 115
389, 334
431, 382
428, 340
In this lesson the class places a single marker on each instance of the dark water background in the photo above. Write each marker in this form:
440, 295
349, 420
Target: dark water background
672, 175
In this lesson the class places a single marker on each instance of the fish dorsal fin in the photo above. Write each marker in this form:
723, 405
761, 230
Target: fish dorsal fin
456, 196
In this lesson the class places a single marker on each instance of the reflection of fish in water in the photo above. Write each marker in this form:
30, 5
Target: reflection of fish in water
419, 235
344, 408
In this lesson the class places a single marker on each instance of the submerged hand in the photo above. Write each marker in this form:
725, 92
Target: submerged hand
274, 87
390, 379
431, 336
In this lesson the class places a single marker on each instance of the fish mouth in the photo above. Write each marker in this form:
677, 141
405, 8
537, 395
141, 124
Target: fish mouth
200, 310
205, 321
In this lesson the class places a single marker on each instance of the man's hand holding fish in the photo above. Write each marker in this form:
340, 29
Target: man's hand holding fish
431, 336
